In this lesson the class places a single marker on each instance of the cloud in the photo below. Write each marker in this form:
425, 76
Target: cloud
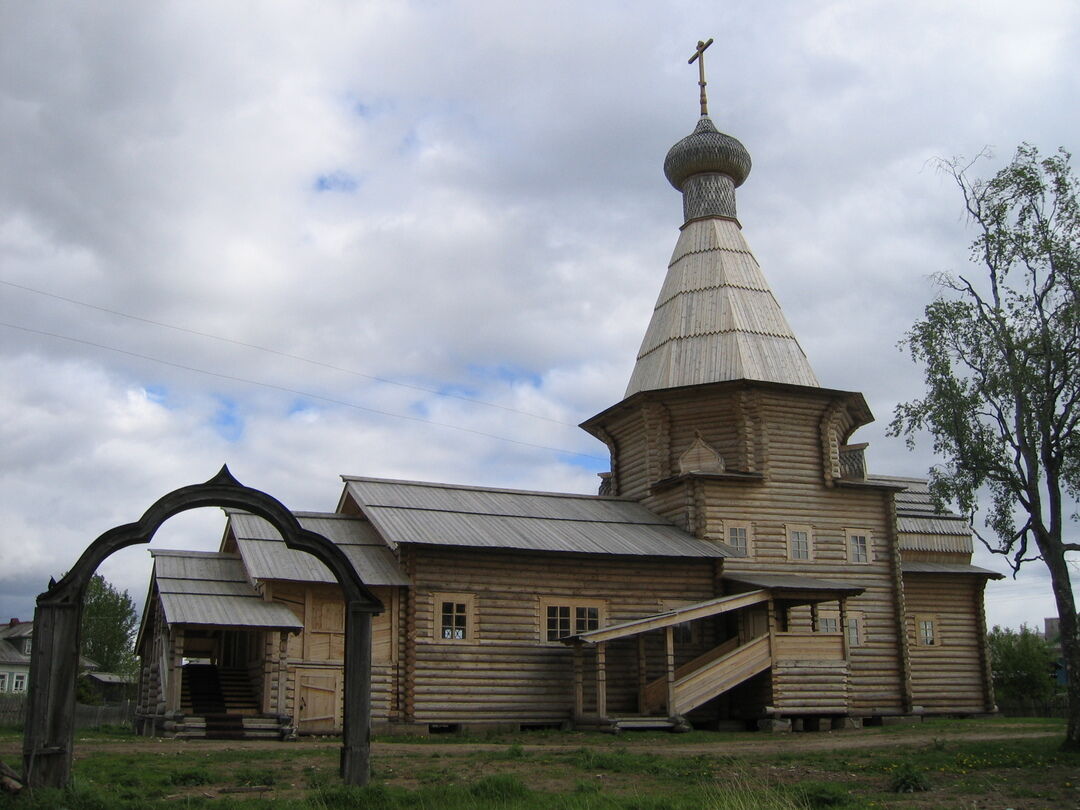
452, 197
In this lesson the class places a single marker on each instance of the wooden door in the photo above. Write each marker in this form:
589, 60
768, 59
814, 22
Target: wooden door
318, 701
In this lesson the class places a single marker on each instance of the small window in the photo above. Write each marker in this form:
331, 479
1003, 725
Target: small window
26, 646
854, 631
858, 546
926, 632
800, 543
3, 681
740, 537
454, 617
19, 682
561, 619
829, 624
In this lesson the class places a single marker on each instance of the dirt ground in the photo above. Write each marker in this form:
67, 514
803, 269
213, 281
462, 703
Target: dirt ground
411, 764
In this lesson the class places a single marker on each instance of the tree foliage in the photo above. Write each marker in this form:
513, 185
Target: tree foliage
1023, 664
108, 627
1000, 350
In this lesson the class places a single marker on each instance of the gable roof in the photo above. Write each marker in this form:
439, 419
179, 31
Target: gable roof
210, 588
480, 517
266, 556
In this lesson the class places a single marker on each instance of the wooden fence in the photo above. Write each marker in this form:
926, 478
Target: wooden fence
13, 713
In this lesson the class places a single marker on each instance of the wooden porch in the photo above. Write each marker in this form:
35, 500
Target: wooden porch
762, 644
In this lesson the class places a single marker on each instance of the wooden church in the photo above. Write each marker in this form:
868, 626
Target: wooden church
740, 564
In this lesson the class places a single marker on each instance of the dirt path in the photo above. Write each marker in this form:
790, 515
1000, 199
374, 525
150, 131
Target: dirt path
10, 750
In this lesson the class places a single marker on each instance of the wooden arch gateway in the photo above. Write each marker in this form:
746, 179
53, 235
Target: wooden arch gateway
54, 657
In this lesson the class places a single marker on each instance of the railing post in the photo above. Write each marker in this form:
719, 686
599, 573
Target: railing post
601, 681
579, 683
669, 647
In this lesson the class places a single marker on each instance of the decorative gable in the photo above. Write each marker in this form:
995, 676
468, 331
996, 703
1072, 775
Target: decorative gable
700, 457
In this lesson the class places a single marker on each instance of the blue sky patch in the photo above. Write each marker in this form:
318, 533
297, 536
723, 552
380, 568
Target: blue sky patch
227, 421
339, 180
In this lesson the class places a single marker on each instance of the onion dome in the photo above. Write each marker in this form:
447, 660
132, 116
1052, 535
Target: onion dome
707, 166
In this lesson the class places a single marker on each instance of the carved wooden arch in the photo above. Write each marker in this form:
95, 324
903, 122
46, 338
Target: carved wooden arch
54, 656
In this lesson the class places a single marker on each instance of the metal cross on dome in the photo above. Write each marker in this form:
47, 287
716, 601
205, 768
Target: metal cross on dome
699, 57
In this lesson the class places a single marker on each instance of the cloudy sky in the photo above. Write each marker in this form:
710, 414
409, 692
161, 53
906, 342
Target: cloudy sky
422, 240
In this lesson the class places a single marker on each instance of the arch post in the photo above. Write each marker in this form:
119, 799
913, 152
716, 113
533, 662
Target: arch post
54, 656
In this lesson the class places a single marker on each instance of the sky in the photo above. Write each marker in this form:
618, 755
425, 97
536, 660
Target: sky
423, 240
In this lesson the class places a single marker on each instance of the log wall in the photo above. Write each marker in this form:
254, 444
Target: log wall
950, 675
506, 670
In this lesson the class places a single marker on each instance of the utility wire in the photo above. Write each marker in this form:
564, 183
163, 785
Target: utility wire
278, 353
298, 392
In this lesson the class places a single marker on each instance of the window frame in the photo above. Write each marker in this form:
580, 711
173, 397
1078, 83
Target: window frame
849, 541
935, 627
745, 525
789, 531
859, 621
3, 682
472, 634
828, 616
573, 603
18, 682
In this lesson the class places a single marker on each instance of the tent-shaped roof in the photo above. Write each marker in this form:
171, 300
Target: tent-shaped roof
447, 515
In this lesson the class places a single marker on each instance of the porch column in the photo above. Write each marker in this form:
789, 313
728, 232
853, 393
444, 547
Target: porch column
669, 646
579, 683
843, 625
176, 664
282, 672
642, 672
601, 680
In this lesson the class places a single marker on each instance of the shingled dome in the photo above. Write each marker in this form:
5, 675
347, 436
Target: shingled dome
706, 150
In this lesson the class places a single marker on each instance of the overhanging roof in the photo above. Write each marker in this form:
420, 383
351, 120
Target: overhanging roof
948, 568
208, 588
266, 556
789, 586
478, 517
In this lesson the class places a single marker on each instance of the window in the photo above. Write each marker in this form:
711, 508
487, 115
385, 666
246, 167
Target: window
829, 624
854, 631
559, 618
3, 681
800, 543
18, 684
683, 632
740, 537
926, 634
858, 546
26, 646
454, 618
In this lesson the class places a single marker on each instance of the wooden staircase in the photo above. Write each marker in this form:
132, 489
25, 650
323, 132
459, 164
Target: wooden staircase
219, 704
698, 681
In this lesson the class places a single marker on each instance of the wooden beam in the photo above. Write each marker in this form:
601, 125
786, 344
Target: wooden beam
669, 647
713, 607
579, 684
601, 681
642, 673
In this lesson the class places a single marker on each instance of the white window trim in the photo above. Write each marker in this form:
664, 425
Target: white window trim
18, 682
935, 622
572, 602
3, 681
851, 533
740, 524
789, 530
472, 626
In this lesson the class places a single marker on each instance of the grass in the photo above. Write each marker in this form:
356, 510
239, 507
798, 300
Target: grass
937, 761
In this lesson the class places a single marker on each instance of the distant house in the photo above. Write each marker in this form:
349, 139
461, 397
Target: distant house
15, 641
740, 563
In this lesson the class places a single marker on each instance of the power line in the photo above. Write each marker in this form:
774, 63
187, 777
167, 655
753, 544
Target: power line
298, 392
278, 353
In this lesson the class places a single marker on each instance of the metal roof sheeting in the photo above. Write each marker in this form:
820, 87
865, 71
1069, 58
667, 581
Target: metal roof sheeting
208, 588
229, 611
441, 514
948, 568
267, 557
